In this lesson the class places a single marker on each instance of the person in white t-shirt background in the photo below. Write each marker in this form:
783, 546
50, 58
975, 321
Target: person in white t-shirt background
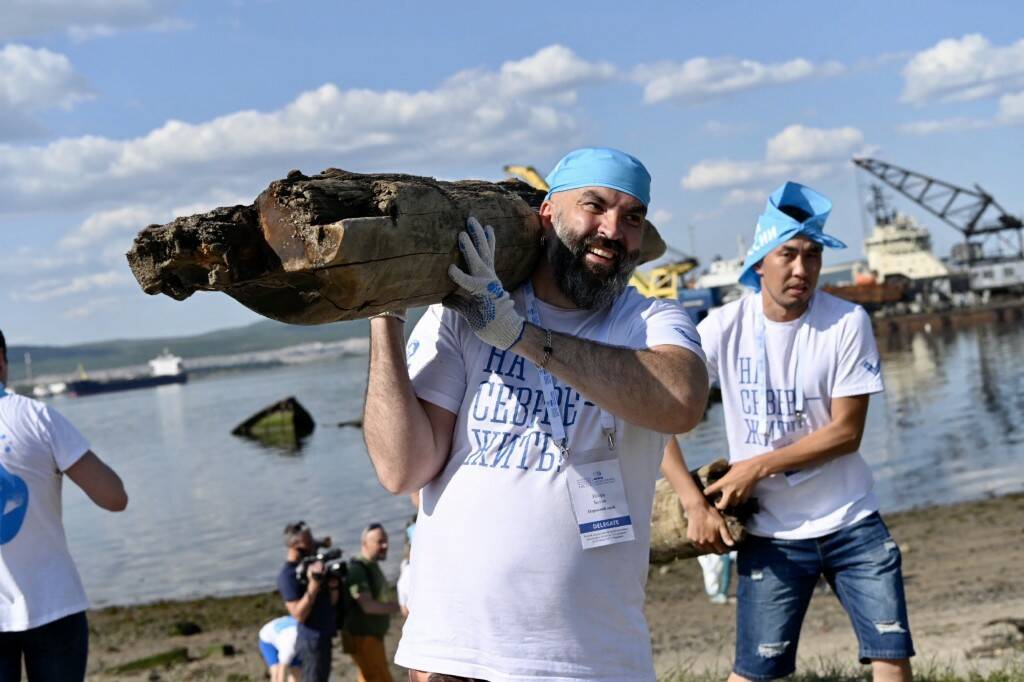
796, 368
42, 601
534, 422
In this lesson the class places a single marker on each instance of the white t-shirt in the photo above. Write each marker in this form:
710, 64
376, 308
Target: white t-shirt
836, 349
281, 634
502, 589
38, 580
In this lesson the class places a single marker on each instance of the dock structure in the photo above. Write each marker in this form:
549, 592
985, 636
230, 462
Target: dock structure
947, 320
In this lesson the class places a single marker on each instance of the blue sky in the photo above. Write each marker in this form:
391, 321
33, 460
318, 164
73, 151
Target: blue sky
119, 113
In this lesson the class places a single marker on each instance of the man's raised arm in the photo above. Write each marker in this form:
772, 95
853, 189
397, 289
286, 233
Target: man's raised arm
664, 388
408, 439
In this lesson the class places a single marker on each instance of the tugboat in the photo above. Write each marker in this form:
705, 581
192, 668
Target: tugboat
166, 368
899, 245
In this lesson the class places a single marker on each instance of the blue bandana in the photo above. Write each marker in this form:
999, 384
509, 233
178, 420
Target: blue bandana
601, 167
775, 228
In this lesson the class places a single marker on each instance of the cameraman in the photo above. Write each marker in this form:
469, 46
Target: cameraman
310, 601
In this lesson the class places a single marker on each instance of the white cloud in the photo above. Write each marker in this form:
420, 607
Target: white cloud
1011, 109
91, 307
797, 151
47, 289
552, 68
661, 216
703, 78
1010, 112
27, 260
33, 80
715, 173
969, 68
800, 143
111, 231
945, 125
881, 60
739, 196
36, 79
473, 116
82, 18
100, 226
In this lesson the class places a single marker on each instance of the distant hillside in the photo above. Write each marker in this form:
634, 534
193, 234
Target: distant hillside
262, 335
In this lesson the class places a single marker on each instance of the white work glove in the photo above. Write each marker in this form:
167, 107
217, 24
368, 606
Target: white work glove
480, 298
398, 313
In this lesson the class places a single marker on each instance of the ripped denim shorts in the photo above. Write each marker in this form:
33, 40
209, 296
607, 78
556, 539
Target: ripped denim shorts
777, 578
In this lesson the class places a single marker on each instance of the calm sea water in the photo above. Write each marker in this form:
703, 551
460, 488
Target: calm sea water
207, 509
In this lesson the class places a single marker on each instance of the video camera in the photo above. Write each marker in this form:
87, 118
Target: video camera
334, 565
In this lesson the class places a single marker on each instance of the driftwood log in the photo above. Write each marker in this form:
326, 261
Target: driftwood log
668, 523
341, 245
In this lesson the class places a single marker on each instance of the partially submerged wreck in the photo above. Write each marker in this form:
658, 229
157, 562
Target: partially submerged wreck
283, 424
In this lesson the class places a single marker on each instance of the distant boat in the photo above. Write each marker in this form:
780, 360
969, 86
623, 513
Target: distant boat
166, 368
723, 276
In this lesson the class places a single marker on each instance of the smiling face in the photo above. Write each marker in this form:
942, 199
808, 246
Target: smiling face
596, 244
789, 274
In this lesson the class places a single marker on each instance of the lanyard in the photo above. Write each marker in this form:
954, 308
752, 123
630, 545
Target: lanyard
547, 383
762, 368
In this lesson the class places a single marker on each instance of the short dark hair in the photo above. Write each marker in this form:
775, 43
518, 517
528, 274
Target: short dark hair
294, 531
370, 528
3, 344
796, 213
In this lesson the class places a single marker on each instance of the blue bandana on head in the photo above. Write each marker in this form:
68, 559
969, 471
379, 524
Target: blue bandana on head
601, 167
775, 228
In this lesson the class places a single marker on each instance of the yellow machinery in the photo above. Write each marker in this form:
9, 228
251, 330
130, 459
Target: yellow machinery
527, 174
664, 281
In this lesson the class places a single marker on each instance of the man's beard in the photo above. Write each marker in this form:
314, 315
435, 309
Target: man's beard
590, 288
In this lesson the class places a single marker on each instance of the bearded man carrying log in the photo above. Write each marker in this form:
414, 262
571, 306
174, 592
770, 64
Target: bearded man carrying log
534, 423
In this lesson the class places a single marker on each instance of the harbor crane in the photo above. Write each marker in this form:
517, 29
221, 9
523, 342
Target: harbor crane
663, 281
976, 214
959, 207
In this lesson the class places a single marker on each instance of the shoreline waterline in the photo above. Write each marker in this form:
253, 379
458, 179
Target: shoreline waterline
951, 597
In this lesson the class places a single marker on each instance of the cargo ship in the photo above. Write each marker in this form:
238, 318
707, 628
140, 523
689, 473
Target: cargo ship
166, 368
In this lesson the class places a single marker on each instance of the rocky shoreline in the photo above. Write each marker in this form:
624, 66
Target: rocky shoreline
962, 565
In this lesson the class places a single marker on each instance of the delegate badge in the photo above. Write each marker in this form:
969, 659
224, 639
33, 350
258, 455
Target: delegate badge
598, 498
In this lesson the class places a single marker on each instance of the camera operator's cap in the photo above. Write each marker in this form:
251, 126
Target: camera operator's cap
775, 227
601, 167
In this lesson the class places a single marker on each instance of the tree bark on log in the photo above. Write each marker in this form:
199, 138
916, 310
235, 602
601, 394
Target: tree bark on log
668, 522
340, 245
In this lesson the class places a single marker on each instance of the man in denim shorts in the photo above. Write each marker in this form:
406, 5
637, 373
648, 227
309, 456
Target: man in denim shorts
796, 367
